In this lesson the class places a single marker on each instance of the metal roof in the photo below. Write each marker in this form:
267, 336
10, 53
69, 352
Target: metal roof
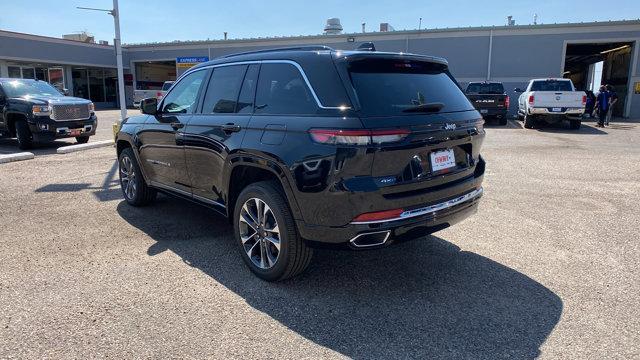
395, 32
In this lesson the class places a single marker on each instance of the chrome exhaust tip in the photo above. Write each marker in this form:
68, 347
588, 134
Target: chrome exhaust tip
370, 239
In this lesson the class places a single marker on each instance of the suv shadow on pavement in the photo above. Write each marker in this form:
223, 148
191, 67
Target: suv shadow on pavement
421, 299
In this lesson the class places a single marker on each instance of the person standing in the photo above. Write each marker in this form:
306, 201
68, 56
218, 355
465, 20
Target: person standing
613, 98
602, 104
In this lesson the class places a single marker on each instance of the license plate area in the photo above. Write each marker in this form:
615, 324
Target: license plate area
556, 109
442, 160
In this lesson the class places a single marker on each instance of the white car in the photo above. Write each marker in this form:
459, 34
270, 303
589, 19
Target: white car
551, 100
139, 95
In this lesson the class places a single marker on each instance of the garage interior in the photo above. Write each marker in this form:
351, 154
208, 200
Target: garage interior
589, 65
150, 75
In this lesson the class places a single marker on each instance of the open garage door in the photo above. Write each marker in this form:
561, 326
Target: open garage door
150, 75
589, 65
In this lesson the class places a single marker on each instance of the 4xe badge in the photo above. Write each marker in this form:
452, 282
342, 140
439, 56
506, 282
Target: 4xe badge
449, 126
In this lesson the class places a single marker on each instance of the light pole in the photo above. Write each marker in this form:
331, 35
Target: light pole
116, 43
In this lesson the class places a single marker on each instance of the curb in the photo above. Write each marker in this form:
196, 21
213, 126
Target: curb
16, 157
87, 146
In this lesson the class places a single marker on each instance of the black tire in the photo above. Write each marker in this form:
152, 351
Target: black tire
529, 121
82, 139
140, 194
503, 121
575, 124
24, 136
294, 255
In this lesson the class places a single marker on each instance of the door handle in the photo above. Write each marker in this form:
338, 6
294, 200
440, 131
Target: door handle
177, 125
231, 127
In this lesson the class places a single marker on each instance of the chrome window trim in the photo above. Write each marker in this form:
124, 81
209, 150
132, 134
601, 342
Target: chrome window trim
290, 62
428, 209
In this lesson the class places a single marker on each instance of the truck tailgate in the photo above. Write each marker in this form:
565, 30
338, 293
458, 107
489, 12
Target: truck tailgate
560, 99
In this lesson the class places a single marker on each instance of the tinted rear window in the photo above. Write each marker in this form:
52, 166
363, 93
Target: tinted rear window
551, 85
394, 87
481, 88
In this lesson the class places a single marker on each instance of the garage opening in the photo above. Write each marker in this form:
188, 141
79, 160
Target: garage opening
150, 75
589, 65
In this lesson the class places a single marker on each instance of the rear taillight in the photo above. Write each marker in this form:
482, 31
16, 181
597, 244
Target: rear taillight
159, 95
378, 215
531, 99
584, 100
507, 101
358, 137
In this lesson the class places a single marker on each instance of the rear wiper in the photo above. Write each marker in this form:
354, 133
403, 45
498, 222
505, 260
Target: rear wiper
428, 107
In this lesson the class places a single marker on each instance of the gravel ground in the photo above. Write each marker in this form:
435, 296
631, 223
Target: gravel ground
548, 267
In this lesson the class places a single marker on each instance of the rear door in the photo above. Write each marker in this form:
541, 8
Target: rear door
217, 130
162, 151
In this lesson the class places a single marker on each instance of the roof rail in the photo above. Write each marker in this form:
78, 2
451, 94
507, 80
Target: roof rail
296, 48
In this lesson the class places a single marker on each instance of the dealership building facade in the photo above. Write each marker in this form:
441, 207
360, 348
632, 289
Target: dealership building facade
588, 53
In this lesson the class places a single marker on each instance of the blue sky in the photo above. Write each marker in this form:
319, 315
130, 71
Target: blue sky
167, 20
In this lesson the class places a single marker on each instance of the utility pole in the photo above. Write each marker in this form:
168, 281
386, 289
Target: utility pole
115, 12
116, 43
420, 24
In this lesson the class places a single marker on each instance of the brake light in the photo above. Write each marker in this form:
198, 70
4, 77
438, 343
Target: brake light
531, 99
358, 137
507, 101
378, 215
584, 100
159, 95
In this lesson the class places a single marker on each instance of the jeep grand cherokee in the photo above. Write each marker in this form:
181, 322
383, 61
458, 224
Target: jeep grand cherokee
306, 147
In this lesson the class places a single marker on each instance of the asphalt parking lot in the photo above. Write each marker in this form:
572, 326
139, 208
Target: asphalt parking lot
548, 267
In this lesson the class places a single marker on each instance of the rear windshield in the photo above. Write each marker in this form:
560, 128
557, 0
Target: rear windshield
482, 88
551, 85
399, 87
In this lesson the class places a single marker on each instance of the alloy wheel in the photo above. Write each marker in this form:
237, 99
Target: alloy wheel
259, 233
128, 177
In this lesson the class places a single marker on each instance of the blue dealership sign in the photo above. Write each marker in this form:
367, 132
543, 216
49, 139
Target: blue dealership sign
189, 61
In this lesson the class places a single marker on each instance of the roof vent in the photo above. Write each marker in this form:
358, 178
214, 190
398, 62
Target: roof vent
384, 27
333, 27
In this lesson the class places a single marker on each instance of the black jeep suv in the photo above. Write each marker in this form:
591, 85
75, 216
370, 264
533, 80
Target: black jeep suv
303, 147
34, 111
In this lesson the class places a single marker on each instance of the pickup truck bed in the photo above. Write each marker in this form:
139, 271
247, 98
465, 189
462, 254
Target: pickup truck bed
551, 101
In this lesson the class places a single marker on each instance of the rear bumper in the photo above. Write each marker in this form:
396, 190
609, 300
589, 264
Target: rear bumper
493, 113
557, 115
461, 202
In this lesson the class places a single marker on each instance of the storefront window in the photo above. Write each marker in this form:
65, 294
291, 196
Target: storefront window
111, 85
80, 82
56, 78
28, 73
42, 74
14, 72
96, 85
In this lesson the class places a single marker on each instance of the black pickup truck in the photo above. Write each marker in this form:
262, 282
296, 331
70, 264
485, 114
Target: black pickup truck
33, 111
489, 99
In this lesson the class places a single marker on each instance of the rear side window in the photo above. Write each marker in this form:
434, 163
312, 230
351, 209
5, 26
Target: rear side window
398, 87
223, 89
484, 88
245, 100
551, 85
283, 90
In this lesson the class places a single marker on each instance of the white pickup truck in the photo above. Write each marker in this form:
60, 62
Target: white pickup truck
551, 101
139, 95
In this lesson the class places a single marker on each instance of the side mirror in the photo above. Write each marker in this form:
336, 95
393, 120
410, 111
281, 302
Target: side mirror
149, 106
518, 90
